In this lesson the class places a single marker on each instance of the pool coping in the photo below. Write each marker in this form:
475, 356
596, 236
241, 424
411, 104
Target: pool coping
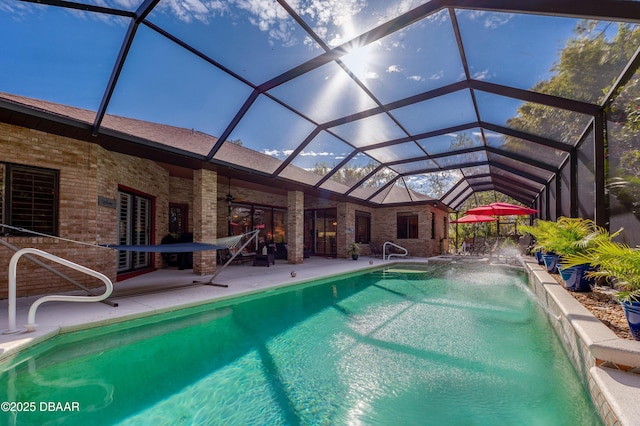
607, 365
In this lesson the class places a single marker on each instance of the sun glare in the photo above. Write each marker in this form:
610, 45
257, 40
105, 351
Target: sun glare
359, 60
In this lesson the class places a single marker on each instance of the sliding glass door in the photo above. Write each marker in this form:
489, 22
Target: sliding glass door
320, 231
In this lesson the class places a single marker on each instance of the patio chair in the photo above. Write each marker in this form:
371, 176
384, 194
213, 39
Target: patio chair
478, 247
265, 259
467, 246
281, 251
525, 244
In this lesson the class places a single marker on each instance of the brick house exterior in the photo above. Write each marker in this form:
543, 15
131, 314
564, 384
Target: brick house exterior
90, 177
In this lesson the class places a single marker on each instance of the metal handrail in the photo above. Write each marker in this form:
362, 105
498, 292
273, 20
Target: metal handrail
389, 243
31, 325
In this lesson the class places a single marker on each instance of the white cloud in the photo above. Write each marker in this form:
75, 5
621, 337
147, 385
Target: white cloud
497, 20
415, 78
493, 135
491, 20
481, 75
316, 154
128, 4
394, 68
437, 76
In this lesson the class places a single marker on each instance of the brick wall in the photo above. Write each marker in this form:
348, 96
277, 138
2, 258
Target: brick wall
77, 164
181, 192
116, 171
87, 173
384, 228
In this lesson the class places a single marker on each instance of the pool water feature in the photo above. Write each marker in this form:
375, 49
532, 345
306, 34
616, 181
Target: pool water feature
396, 346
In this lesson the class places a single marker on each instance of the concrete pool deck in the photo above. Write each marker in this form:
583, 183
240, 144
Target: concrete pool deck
165, 290
615, 391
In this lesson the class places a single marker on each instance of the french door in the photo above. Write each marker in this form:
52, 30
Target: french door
134, 228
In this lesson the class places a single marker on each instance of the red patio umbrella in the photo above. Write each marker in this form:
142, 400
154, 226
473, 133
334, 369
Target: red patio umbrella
501, 209
474, 218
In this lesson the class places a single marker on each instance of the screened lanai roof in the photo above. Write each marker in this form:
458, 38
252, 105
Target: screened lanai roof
378, 100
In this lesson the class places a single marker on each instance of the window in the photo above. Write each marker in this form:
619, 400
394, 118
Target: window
271, 221
29, 198
445, 228
363, 227
407, 225
134, 228
433, 226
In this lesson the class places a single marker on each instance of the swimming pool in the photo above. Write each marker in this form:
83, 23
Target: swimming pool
394, 346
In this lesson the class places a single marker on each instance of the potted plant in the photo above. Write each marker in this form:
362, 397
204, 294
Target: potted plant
576, 236
354, 251
543, 232
566, 237
620, 264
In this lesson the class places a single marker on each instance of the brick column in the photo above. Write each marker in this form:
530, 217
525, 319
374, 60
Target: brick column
295, 227
345, 229
205, 192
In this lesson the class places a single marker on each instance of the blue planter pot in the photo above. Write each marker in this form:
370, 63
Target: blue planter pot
575, 279
551, 262
632, 312
539, 257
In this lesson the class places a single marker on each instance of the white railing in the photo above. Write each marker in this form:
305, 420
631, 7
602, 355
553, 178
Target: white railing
31, 323
386, 256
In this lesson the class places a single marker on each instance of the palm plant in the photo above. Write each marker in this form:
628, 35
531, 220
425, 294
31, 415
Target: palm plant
567, 236
542, 232
613, 260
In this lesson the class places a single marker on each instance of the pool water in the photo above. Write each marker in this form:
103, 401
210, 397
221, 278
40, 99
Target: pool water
397, 346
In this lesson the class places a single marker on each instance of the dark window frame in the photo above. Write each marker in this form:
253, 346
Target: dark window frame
363, 227
407, 226
33, 193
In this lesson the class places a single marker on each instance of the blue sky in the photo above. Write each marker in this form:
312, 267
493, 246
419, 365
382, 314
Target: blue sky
67, 57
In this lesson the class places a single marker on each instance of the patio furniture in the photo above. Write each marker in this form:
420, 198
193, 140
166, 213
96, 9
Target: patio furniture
266, 256
265, 259
280, 251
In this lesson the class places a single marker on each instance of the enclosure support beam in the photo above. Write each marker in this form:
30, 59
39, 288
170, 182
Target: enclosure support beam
573, 184
599, 170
